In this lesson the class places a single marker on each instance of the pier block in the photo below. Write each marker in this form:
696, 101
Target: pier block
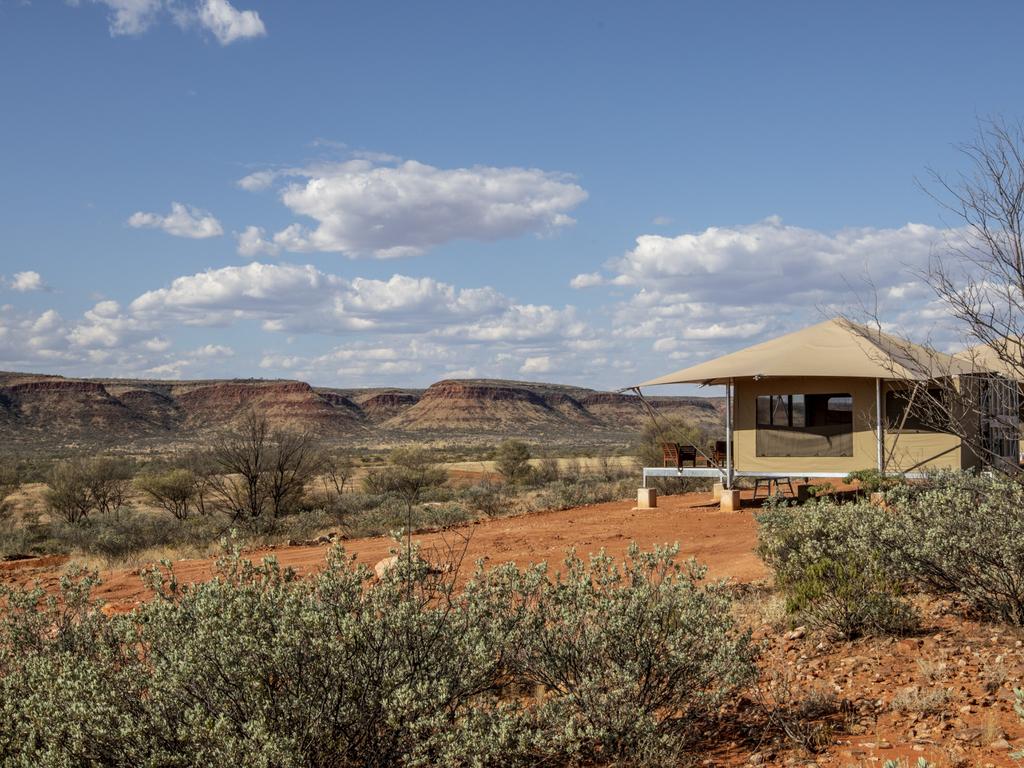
730, 501
646, 498
716, 491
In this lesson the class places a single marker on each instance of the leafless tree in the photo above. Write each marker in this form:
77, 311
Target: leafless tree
294, 459
978, 276
262, 473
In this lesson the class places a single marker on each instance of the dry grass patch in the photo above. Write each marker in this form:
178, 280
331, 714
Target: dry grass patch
922, 700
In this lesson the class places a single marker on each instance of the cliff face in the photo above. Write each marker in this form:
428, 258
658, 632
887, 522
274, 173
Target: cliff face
486, 406
54, 411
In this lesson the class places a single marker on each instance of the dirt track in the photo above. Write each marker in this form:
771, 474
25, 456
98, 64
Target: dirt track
723, 541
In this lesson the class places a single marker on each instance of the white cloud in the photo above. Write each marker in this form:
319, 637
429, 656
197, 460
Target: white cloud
129, 17
302, 299
587, 280
219, 17
380, 363
228, 24
252, 242
26, 281
182, 221
540, 364
751, 280
385, 208
213, 350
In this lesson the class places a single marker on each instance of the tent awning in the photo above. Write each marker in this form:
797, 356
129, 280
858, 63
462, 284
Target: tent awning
836, 348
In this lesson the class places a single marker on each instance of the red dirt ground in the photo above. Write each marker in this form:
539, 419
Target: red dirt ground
977, 664
722, 541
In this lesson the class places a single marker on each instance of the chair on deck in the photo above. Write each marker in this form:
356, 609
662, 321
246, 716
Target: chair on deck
676, 455
718, 455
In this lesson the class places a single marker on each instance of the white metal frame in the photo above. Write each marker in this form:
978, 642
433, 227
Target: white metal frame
720, 472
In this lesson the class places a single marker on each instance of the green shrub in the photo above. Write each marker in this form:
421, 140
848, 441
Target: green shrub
512, 458
871, 480
850, 598
566, 494
635, 660
964, 533
953, 532
174, 490
488, 499
258, 668
791, 539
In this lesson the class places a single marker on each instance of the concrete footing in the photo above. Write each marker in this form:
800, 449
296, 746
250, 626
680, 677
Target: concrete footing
716, 491
646, 498
730, 501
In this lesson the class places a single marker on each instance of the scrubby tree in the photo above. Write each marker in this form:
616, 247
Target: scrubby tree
109, 480
175, 491
262, 473
203, 468
977, 277
513, 460
67, 492
337, 470
410, 473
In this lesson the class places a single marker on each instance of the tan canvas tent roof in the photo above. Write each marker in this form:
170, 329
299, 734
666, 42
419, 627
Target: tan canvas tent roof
835, 347
983, 357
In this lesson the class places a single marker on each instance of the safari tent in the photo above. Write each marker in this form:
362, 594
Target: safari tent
839, 397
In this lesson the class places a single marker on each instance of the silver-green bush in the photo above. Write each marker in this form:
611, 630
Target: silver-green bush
340, 669
953, 532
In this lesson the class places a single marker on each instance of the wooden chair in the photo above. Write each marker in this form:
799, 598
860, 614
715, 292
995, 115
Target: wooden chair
718, 455
677, 456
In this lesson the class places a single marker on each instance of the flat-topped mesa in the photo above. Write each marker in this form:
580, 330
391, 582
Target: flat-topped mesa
51, 410
385, 405
608, 398
67, 409
488, 406
283, 403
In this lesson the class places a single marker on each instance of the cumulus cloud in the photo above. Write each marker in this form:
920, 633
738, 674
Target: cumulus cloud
302, 299
747, 281
219, 17
587, 280
381, 363
252, 242
213, 350
182, 221
227, 23
381, 207
129, 17
539, 364
26, 281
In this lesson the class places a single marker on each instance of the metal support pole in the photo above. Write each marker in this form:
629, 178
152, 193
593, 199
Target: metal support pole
728, 434
878, 426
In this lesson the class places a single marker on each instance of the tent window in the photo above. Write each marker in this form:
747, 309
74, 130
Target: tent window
925, 410
805, 425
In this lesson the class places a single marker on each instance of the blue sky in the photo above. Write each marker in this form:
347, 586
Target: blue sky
385, 193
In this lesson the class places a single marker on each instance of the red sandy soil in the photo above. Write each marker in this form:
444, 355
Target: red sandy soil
723, 541
978, 664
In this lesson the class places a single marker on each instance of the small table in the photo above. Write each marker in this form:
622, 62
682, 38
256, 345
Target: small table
768, 485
